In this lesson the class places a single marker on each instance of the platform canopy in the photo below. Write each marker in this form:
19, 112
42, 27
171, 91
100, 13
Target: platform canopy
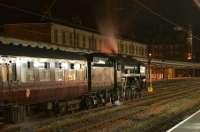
21, 48
179, 64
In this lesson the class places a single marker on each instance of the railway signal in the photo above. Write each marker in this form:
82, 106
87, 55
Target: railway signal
150, 86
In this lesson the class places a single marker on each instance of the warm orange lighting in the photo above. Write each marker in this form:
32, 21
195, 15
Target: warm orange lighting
110, 46
189, 56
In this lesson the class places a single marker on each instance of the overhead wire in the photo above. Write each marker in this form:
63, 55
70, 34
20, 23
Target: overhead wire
31, 12
61, 21
164, 18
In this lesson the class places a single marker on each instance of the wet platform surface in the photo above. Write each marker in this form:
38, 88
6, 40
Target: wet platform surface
190, 124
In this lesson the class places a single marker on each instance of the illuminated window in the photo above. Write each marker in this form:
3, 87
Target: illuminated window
30, 65
4, 71
58, 65
30, 71
47, 65
72, 66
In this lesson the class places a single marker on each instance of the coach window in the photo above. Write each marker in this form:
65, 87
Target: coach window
44, 71
4, 71
79, 75
71, 72
59, 72
0, 72
30, 71
12, 71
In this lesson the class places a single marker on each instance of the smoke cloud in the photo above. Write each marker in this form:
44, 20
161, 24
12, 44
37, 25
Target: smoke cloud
108, 27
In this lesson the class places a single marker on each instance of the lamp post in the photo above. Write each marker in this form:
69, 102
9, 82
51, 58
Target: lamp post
150, 87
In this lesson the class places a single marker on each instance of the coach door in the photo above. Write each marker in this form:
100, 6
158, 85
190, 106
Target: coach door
12, 72
1, 81
4, 72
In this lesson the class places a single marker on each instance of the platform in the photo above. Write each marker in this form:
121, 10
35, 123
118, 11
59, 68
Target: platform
190, 124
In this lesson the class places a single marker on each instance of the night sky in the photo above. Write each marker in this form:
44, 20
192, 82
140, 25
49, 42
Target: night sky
126, 17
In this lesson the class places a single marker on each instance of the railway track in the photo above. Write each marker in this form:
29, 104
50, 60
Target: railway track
167, 93
126, 113
131, 116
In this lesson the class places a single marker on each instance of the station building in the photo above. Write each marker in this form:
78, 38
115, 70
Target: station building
167, 62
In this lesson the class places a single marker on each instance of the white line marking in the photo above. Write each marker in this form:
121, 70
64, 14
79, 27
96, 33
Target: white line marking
170, 130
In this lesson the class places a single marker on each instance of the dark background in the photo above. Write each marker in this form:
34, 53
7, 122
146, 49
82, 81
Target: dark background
125, 17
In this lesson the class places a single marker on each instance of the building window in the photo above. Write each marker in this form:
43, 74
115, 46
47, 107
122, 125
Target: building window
84, 41
99, 45
122, 48
77, 40
70, 38
90, 43
94, 45
136, 50
126, 48
133, 50
64, 37
142, 50
56, 36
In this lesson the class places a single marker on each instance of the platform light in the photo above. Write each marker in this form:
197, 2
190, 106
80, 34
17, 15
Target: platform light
65, 65
142, 69
38, 64
101, 62
150, 54
150, 86
21, 60
189, 57
77, 66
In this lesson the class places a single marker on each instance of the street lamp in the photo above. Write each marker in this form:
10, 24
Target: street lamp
189, 56
150, 87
